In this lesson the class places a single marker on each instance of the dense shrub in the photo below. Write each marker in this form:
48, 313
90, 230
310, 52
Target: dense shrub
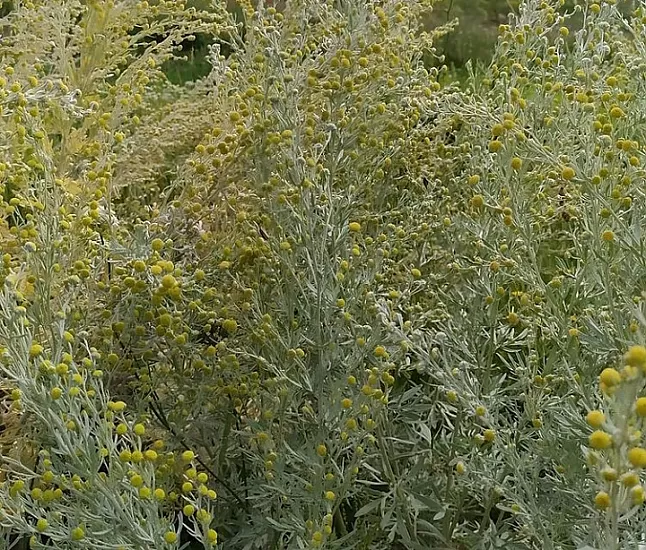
361, 308
551, 290
77, 81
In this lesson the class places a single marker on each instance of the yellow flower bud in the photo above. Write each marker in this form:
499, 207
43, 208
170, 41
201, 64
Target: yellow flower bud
610, 377
595, 418
602, 500
637, 457
600, 440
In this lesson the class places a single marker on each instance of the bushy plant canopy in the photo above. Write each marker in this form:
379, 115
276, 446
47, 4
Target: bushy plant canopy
323, 297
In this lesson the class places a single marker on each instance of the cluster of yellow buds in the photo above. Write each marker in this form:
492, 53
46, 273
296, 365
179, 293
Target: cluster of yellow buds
616, 441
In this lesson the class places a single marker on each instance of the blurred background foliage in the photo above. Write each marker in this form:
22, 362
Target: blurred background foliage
476, 34
474, 37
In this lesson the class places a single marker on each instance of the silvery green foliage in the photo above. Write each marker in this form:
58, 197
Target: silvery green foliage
74, 77
551, 257
376, 307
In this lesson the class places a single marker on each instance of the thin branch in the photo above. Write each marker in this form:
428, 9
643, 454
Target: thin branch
161, 417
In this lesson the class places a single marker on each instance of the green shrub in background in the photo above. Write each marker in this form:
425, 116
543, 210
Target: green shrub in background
477, 31
478, 23
361, 308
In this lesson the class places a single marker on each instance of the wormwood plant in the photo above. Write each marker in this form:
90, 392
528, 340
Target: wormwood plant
550, 264
75, 80
103, 300
361, 309
277, 357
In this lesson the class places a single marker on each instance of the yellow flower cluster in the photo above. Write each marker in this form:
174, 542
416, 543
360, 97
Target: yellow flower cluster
618, 452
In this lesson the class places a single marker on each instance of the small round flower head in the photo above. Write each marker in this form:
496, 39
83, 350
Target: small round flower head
41, 525
136, 481
602, 500
168, 282
637, 457
568, 173
187, 456
477, 201
636, 356
637, 495
497, 130
35, 350
230, 325
610, 377
203, 516
188, 510
118, 406
513, 318
629, 479
640, 406
600, 440
150, 455
380, 351
495, 145
616, 112
595, 418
